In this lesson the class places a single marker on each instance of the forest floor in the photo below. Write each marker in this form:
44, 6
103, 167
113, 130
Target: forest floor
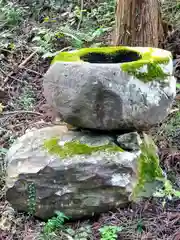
30, 32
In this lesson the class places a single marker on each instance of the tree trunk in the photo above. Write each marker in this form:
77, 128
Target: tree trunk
138, 23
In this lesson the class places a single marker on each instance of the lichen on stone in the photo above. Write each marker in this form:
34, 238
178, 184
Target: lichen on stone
76, 148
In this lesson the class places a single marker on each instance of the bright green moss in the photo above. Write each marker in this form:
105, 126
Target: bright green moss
148, 167
154, 70
76, 148
149, 57
77, 55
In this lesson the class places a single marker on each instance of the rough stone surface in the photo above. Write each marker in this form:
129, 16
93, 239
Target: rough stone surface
102, 96
7, 219
80, 185
129, 141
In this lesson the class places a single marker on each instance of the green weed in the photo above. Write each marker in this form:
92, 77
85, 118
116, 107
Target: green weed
55, 223
31, 199
110, 232
172, 125
170, 10
100, 15
82, 233
95, 23
26, 99
47, 39
167, 192
178, 85
10, 14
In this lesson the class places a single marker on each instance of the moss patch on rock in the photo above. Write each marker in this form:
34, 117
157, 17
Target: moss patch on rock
148, 167
78, 55
135, 59
151, 62
76, 148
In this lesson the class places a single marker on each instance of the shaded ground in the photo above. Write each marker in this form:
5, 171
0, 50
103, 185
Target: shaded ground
21, 94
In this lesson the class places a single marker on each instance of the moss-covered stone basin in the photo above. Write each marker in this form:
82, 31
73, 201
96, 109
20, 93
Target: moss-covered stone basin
111, 88
132, 60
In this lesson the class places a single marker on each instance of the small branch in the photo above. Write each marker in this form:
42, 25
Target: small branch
20, 66
5, 50
21, 112
81, 15
174, 110
14, 78
68, 237
2, 71
27, 59
65, 49
30, 70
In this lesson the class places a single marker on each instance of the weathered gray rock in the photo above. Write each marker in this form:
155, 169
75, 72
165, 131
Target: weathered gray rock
129, 141
8, 219
77, 180
103, 96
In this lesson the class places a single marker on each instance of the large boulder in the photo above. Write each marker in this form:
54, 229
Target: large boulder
115, 88
79, 174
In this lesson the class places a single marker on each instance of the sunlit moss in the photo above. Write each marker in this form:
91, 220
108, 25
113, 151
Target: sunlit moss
152, 63
151, 58
76, 56
76, 148
148, 166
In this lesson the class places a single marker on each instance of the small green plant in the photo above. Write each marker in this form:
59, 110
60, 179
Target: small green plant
140, 226
82, 233
178, 85
55, 223
167, 192
110, 232
31, 199
100, 15
170, 11
26, 99
11, 15
172, 125
46, 39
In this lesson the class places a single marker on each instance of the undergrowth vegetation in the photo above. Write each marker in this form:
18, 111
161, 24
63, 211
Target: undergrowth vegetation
74, 26
171, 11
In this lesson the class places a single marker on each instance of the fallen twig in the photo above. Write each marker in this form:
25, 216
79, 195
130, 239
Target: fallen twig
21, 112
174, 110
5, 50
20, 66
32, 71
68, 237
14, 78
